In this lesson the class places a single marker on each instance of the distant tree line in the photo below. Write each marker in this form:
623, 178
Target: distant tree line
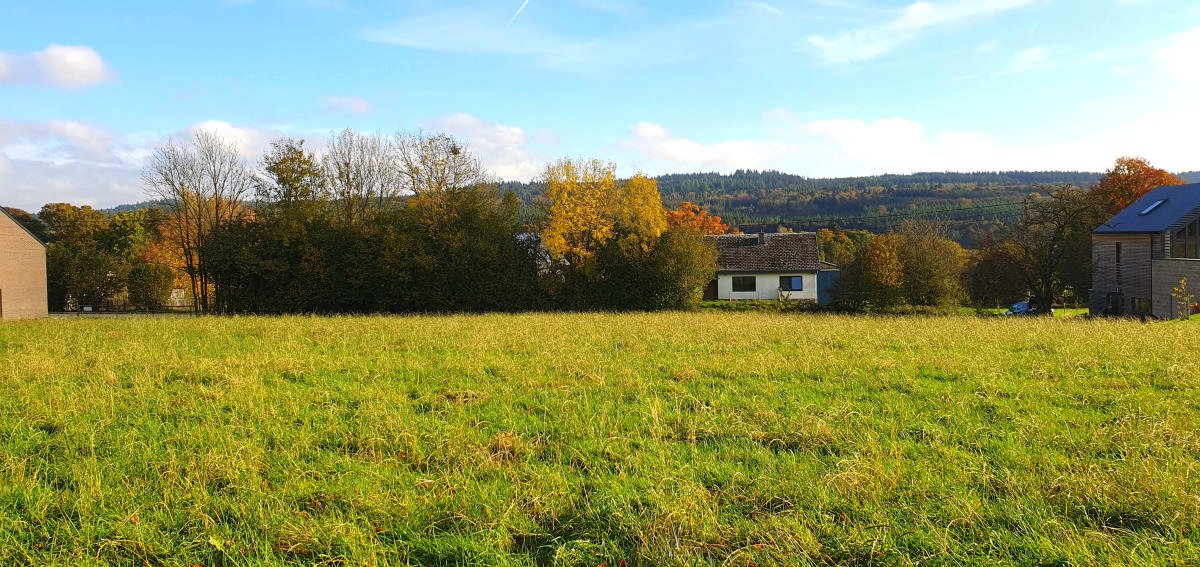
413, 223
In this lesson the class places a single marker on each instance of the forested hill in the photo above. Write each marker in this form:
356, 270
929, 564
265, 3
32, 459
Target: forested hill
754, 200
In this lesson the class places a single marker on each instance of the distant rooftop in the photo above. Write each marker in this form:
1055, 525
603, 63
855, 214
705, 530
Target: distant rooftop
767, 253
1161, 210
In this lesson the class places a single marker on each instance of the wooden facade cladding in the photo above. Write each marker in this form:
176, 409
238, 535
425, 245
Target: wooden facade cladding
1125, 273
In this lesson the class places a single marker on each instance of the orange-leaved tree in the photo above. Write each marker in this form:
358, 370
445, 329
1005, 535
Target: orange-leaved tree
691, 215
1130, 178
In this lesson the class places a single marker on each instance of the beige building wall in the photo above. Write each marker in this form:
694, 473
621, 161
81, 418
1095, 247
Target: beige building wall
1167, 274
23, 292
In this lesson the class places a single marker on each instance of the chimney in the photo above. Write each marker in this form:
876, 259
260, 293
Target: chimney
762, 238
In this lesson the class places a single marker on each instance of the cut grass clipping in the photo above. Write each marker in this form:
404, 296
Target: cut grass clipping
659, 439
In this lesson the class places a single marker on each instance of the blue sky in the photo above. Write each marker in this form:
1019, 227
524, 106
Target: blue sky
812, 87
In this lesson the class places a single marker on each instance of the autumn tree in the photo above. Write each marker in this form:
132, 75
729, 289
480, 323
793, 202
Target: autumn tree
691, 215
1128, 179
873, 279
1053, 241
435, 164
292, 183
610, 244
838, 246
589, 206
994, 275
31, 222
203, 183
364, 176
932, 265
638, 215
580, 219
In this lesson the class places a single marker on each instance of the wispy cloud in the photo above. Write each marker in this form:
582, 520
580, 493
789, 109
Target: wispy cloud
66, 66
769, 9
481, 30
1026, 60
518, 12
869, 42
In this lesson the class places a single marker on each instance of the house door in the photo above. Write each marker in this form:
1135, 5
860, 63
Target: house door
710, 291
1115, 304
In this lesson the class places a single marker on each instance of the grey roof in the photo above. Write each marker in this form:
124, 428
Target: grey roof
767, 253
1180, 205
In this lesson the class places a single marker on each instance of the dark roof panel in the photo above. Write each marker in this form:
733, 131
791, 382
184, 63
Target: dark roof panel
1160, 210
772, 253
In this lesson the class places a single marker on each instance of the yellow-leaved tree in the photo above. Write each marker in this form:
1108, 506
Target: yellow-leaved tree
589, 207
579, 222
640, 218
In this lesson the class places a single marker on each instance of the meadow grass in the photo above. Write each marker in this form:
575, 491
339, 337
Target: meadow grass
653, 439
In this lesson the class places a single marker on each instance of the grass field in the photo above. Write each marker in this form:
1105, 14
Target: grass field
663, 439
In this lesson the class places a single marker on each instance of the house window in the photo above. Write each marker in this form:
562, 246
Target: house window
791, 283
1140, 306
1186, 242
744, 283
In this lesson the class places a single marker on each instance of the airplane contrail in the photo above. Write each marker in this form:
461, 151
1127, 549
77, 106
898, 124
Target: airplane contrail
519, 10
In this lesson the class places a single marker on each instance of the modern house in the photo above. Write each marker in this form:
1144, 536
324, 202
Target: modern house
1142, 253
770, 266
23, 293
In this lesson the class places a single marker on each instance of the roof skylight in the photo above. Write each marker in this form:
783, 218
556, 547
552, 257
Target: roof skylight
1152, 206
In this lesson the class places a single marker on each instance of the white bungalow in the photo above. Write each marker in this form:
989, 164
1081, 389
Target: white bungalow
770, 266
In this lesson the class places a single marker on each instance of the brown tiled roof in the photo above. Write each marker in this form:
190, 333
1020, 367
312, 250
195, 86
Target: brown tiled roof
776, 253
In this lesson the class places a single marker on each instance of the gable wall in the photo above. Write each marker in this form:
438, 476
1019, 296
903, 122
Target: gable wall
22, 273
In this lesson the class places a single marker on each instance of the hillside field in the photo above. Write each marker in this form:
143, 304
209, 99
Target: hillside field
593, 439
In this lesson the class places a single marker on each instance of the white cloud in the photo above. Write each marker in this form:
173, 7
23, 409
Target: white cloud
72, 66
250, 142
1179, 56
872, 41
653, 142
505, 150
62, 160
66, 66
853, 146
346, 104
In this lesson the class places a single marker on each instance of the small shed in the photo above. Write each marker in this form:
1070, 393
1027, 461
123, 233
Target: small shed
23, 292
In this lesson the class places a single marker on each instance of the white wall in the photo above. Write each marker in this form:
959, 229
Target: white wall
766, 287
